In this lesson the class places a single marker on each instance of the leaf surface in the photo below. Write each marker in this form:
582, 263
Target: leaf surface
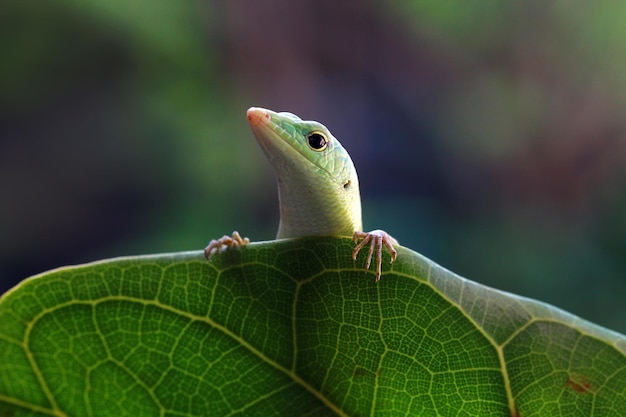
295, 327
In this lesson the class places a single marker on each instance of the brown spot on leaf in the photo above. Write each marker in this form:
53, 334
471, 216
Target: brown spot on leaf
578, 383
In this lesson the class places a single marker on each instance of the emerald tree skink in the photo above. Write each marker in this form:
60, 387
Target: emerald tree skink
318, 187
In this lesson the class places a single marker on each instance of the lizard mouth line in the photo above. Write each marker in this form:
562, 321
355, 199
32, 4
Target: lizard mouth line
269, 133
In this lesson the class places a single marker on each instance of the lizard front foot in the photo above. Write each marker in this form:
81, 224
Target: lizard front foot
376, 239
217, 245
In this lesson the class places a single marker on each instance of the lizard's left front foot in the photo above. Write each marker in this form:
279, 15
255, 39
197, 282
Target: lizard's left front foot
376, 239
225, 241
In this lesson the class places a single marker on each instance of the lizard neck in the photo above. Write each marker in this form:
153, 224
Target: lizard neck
318, 208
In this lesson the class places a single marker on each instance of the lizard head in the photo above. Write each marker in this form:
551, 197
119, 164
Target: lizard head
310, 164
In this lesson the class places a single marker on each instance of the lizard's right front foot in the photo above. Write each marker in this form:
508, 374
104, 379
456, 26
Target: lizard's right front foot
217, 245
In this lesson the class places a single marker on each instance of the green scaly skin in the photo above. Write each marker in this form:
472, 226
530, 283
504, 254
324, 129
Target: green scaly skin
318, 187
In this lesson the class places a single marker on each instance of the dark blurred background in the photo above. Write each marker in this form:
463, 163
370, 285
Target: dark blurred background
489, 136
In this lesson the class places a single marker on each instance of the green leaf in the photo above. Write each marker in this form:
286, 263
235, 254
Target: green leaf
295, 327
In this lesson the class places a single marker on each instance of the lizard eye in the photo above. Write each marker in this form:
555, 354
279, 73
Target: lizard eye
317, 141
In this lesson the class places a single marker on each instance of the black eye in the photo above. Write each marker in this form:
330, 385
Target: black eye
317, 141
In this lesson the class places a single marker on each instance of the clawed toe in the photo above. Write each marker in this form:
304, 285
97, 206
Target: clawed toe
376, 239
217, 245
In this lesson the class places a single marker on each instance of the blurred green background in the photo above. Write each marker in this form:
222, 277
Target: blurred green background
489, 136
